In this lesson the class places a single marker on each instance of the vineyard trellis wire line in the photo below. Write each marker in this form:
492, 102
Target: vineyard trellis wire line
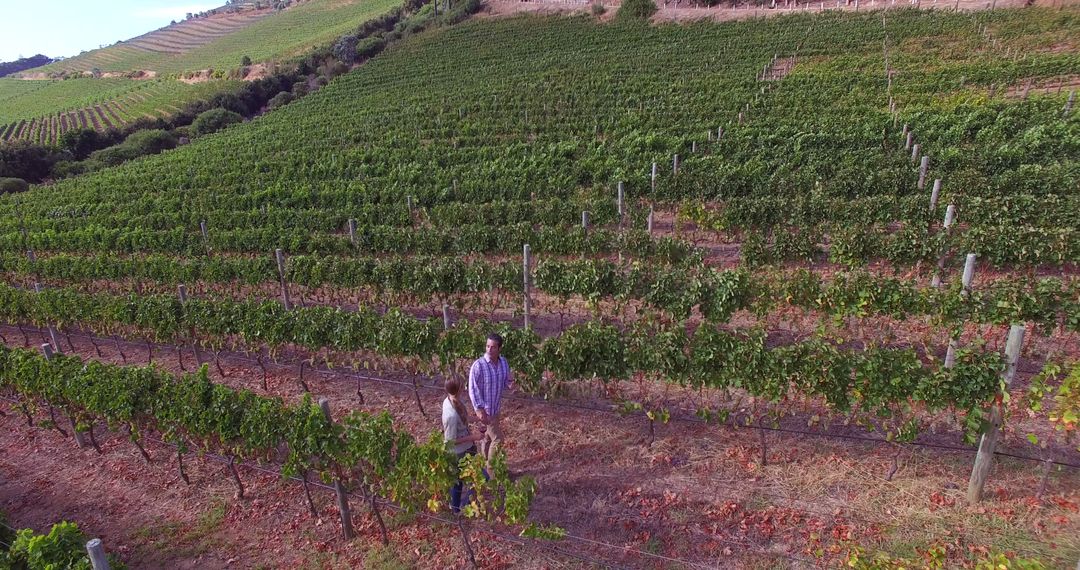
333, 371
862, 515
520, 542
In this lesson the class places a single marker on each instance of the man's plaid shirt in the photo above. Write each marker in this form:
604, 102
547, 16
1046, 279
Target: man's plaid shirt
487, 380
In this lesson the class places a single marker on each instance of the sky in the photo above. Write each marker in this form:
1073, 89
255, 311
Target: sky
66, 27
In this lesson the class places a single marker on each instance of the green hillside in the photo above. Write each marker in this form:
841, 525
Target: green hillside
708, 236
41, 110
512, 108
221, 42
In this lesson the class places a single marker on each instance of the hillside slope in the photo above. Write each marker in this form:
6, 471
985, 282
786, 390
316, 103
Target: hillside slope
221, 42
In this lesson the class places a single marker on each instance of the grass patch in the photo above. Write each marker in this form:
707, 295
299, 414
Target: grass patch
384, 558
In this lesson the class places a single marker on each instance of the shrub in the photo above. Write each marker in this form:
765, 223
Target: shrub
213, 120
245, 61
13, 185
598, 9
635, 10
369, 47
150, 141
279, 100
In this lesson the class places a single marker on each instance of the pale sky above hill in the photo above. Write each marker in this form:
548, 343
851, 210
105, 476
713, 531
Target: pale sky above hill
66, 27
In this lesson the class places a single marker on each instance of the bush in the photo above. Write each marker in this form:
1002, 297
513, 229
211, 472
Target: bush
150, 141
279, 100
635, 10
13, 185
245, 61
138, 144
369, 47
598, 9
213, 120
82, 142
30, 162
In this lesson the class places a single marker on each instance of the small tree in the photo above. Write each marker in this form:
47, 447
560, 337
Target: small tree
245, 61
213, 121
636, 10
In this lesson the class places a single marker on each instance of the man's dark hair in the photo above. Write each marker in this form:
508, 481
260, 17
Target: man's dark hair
497, 338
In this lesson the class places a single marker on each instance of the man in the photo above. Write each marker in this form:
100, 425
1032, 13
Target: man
489, 377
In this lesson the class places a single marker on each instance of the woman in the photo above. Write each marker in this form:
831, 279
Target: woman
456, 433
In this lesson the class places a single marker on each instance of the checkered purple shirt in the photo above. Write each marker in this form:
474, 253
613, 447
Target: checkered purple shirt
487, 380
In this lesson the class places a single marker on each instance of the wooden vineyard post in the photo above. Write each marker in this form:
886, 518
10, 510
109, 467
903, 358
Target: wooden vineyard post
585, 222
935, 193
446, 316
985, 458
908, 139
96, 551
54, 338
30, 256
649, 220
47, 351
1070, 102
719, 133
915, 148
674, 165
339, 489
205, 236
526, 282
408, 204
181, 292
693, 147
969, 274
280, 256
924, 165
620, 203
352, 231
653, 177
950, 215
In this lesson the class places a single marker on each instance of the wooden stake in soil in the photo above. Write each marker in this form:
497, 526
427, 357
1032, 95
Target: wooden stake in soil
649, 220
924, 165
96, 551
181, 291
619, 203
54, 338
915, 151
653, 179
675, 165
935, 193
280, 257
909, 139
352, 231
339, 489
585, 222
969, 274
446, 316
526, 282
1070, 102
985, 458
950, 215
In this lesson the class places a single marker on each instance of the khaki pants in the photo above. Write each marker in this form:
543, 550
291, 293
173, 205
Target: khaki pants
492, 438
